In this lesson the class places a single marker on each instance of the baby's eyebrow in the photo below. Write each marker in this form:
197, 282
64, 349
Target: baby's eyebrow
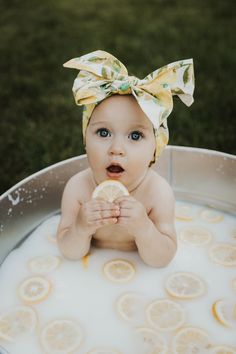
140, 126
98, 123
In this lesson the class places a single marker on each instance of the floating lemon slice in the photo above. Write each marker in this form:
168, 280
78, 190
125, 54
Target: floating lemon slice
184, 213
34, 290
110, 190
119, 270
223, 254
44, 264
195, 235
191, 340
151, 337
130, 305
17, 322
61, 337
225, 312
211, 216
223, 349
104, 351
165, 315
184, 285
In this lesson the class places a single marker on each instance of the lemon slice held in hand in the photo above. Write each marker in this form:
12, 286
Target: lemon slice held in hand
110, 190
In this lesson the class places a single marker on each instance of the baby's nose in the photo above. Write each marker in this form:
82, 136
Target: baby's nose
117, 147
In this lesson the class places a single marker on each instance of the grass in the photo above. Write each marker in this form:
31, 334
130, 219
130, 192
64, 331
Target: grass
41, 125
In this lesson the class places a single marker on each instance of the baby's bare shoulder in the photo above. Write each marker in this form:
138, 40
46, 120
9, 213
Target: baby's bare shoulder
78, 186
160, 189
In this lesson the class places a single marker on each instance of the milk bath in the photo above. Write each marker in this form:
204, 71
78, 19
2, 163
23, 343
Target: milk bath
84, 294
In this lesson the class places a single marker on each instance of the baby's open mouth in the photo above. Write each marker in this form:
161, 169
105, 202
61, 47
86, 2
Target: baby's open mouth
114, 171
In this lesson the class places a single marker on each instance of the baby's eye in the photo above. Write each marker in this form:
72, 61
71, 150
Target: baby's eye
103, 132
136, 135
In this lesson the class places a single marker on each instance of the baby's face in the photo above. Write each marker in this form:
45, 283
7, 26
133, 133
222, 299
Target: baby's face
120, 141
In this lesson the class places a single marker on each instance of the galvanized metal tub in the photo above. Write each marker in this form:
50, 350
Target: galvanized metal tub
197, 175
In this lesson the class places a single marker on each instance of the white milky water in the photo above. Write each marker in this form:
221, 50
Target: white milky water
81, 292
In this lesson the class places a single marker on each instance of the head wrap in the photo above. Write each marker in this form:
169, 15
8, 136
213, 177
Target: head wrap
102, 75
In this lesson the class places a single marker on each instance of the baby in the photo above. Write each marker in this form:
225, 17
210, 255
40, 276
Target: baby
125, 130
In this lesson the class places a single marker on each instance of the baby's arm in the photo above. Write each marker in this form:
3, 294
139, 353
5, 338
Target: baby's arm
80, 220
154, 234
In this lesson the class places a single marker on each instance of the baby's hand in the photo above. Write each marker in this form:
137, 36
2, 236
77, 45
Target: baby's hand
133, 215
96, 213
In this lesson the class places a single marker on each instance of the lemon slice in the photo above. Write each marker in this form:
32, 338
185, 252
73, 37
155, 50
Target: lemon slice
184, 213
224, 312
151, 337
43, 264
130, 305
104, 351
223, 254
184, 285
110, 190
211, 216
191, 340
61, 337
34, 289
223, 349
119, 270
16, 322
195, 235
165, 315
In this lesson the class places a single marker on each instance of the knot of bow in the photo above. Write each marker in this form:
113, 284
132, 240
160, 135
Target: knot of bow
102, 75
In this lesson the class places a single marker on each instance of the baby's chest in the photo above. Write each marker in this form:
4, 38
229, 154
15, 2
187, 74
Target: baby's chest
113, 232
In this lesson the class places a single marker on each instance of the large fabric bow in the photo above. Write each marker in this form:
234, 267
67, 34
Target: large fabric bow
102, 75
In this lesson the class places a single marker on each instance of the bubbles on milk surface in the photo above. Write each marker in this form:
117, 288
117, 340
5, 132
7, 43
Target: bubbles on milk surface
111, 302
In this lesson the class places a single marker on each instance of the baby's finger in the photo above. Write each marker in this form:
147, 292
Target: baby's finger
105, 221
103, 205
105, 214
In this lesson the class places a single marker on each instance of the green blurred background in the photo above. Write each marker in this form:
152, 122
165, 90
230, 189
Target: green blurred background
41, 125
